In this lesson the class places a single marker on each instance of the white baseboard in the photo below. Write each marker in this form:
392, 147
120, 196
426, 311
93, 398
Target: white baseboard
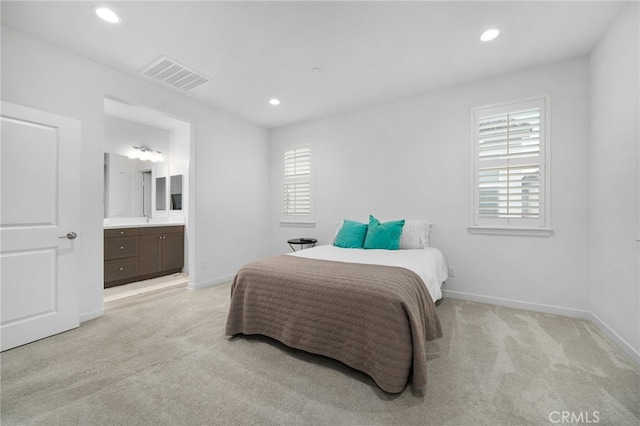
220, 280
509, 303
550, 309
633, 354
91, 315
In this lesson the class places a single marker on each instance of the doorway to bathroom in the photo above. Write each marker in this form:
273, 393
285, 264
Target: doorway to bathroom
146, 196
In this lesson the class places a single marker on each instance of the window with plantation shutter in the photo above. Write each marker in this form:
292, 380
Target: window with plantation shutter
297, 183
510, 182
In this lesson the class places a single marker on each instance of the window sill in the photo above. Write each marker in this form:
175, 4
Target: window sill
298, 224
496, 230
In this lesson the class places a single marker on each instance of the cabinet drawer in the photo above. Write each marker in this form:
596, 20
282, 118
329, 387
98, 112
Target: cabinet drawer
120, 232
116, 248
120, 269
151, 230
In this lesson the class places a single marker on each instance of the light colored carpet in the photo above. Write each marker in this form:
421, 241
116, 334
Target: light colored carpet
161, 358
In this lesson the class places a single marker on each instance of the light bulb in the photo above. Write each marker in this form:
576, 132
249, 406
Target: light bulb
107, 14
490, 34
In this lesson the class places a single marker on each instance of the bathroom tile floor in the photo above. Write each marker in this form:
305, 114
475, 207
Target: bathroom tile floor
132, 289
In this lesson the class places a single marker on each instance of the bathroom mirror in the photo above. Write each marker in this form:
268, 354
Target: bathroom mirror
161, 193
131, 186
176, 192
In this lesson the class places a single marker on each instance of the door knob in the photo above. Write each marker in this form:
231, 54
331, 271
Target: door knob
70, 235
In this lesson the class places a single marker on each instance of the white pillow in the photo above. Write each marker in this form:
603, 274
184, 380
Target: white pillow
415, 234
338, 227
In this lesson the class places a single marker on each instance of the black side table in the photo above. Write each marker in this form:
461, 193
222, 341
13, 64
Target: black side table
301, 242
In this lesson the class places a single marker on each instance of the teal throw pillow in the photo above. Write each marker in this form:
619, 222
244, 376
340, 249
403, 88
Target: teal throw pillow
351, 235
383, 235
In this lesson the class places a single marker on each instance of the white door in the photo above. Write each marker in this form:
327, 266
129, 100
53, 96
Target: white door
39, 216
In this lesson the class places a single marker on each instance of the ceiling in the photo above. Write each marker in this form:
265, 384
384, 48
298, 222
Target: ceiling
367, 52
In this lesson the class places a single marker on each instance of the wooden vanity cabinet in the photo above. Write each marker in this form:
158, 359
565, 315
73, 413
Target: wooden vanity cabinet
161, 249
134, 254
120, 256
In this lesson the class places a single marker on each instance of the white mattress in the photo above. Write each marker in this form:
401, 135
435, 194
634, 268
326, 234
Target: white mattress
428, 263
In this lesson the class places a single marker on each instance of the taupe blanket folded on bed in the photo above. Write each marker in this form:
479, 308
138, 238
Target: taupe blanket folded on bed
373, 318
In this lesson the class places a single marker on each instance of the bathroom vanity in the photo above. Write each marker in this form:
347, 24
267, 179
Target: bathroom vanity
142, 251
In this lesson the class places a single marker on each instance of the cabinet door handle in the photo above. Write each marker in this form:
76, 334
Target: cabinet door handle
121, 268
121, 247
121, 232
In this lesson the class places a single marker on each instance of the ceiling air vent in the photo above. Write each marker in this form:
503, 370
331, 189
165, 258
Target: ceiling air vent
174, 74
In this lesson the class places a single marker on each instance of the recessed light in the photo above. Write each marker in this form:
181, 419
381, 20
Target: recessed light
490, 34
107, 14
274, 101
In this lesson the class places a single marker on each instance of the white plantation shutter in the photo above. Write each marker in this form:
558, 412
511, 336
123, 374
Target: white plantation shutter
297, 182
510, 166
509, 192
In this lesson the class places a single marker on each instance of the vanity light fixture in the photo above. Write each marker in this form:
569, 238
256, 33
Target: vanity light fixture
107, 14
274, 101
490, 34
145, 154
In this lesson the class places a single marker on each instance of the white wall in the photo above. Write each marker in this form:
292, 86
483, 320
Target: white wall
409, 158
226, 231
121, 135
231, 198
615, 181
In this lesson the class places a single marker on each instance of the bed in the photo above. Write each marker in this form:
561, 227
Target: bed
373, 310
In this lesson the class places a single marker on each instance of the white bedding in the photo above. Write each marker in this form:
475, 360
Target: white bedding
428, 263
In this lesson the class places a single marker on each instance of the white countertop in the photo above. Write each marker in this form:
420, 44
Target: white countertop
140, 223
